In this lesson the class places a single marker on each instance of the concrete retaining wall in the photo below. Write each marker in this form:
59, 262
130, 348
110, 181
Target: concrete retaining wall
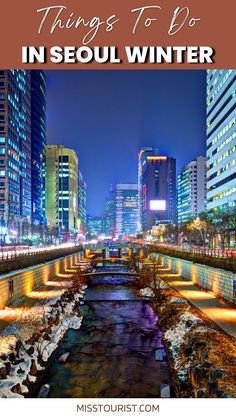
219, 281
15, 285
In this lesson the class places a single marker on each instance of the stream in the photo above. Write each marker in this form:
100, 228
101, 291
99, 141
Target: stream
113, 354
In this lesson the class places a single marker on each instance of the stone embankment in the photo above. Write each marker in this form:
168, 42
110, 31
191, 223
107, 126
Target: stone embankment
28, 259
205, 257
23, 363
201, 356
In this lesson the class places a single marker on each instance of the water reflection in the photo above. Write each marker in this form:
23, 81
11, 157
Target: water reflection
113, 354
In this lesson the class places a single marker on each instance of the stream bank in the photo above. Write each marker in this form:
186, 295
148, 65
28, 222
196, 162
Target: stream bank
24, 362
202, 357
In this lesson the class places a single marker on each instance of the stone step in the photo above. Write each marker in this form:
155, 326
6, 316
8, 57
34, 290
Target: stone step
165, 391
43, 392
158, 355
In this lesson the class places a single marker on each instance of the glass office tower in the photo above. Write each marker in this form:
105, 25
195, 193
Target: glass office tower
126, 209
221, 139
192, 189
15, 155
38, 135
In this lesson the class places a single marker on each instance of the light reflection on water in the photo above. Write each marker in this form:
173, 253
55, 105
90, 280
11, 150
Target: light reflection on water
113, 354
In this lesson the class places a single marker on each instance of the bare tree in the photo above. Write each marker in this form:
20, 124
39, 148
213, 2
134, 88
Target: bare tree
149, 276
155, 280
133, 263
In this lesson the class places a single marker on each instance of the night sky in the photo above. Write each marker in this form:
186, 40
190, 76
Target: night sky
107, 116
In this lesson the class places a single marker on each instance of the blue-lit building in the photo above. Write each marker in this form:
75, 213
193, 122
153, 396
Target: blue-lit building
157, 189
221, 139
95, 225
110, 213
192, 190
38, 136
82, 202
15, 155
126, 209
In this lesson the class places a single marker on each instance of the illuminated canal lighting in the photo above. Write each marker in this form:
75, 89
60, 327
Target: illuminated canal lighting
198, 295
45, 294
57, 284
180, 283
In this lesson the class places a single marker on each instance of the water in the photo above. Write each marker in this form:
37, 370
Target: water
113, 354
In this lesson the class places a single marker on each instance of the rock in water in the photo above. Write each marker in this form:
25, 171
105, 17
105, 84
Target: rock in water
158, 355
43, 393
63, 358
165, 391
3, 371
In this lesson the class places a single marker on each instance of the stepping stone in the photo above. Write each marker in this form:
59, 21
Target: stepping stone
63, 358
43, 392
158, 355
165, 391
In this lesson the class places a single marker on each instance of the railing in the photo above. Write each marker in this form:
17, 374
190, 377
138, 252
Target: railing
14, 252
203, 251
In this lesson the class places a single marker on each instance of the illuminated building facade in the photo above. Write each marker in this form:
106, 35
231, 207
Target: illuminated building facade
126, 209
15, 155
110, 211
38, 135
95, 225
192, 189
157, 189
62, 190
82, 200
221, 139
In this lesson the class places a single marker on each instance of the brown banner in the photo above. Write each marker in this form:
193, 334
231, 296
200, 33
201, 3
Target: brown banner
191, 34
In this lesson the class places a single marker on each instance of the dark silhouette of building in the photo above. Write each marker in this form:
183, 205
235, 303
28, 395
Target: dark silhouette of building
157, 189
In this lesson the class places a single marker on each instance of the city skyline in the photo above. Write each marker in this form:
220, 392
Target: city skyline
164, 247
135, 109
48, 198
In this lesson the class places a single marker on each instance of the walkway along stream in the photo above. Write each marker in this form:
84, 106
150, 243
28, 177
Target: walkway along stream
114, 353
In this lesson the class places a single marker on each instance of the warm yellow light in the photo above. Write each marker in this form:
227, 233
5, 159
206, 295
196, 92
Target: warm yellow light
6, 343
221, 313
176, 282
64, 275
56, 283
9, 314
28, 287
72, 271
156, 158
198, 295
45, 294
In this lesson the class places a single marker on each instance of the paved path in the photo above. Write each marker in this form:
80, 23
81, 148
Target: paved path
33, 303
220, 312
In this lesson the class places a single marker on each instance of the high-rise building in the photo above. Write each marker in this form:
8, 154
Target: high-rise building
157, 189
126, 209
221, 138
192, 189
38, 150
109, 219
62, 190
15, 155
82, 201
95, 225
